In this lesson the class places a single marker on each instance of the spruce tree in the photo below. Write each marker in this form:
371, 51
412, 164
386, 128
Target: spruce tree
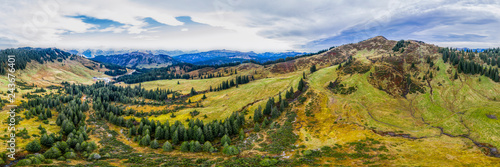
256, 127
167, 146
275, 113
301, 85
207, 146
193, 92
225, 139
313, 68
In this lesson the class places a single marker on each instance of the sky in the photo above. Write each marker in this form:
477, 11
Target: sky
251, 25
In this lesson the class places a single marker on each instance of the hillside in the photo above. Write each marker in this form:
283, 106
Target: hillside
378, 102
49, 67
138, 60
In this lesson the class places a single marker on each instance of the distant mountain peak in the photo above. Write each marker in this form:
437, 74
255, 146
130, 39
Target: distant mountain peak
378, 38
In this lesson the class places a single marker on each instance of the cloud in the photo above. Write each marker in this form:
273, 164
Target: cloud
258, 25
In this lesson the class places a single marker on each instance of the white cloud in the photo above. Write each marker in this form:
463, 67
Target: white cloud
243, 25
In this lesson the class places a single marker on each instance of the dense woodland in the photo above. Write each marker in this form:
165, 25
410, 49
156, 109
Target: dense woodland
471, 62
25, 55
114, 69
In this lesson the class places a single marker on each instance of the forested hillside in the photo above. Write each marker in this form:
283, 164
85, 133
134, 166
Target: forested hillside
378, 102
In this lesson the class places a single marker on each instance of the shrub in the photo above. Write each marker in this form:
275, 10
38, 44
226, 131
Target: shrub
94, 156
155, 144
70, 155
24, 162
185, 146
268, 162
230, 150
52, 153
34, 146
35, 161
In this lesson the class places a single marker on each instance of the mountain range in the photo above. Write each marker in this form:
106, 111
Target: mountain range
148, 59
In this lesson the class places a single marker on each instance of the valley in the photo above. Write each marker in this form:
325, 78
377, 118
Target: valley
377, 102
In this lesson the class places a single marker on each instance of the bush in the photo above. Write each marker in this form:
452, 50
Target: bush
35, 161
230, 150
52, 153
61, 158
40, 156
307, 152
185, 146
268, 162
70, 155
155, 144
24, 162
34, 146
94, 156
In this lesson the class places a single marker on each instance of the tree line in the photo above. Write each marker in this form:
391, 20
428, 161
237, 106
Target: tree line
465, 62
232, 83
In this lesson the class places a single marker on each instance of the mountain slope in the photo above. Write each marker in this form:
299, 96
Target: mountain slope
45, 67
138, 60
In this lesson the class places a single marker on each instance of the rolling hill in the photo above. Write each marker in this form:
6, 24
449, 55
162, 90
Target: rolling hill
49, 66
377, 102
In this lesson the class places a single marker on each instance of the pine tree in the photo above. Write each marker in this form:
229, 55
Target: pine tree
175, 137
313, 68
275, 113
269, 105
242, 134
257, 115
301, 85
167, 146
46, 140
225, 140
145, 141
159, 133
282, 105
207, 146
193, 92
196, 147
256, 127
